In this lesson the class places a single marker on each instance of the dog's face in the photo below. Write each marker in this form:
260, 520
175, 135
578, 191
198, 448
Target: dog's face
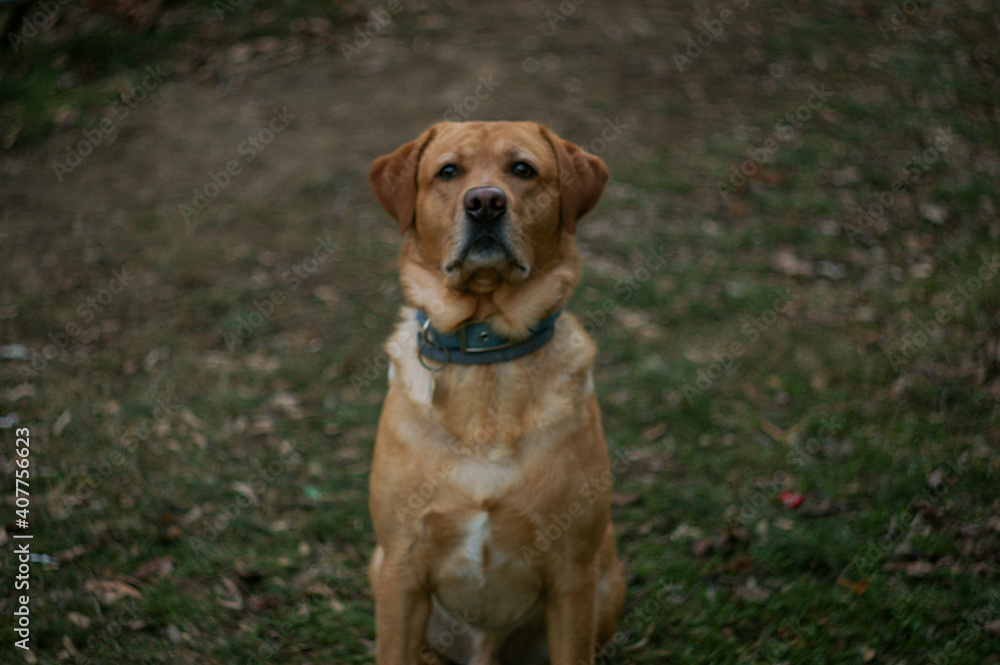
488, 202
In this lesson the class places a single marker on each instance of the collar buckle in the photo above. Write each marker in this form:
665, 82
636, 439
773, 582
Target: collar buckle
483, 335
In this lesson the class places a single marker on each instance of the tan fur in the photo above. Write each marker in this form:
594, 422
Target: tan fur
473, 461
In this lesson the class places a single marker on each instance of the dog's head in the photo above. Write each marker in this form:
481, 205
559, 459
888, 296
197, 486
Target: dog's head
488, 203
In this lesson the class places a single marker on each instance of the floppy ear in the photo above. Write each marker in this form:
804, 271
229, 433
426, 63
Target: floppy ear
581, 179
393, 178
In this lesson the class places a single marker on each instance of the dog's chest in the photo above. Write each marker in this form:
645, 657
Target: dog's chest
481, 579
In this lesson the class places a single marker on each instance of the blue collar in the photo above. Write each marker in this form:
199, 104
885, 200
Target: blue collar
478, 343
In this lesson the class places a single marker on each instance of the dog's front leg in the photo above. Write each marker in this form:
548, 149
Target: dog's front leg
402, 609
569, 615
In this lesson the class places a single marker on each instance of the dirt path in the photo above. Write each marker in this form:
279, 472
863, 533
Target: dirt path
337, 109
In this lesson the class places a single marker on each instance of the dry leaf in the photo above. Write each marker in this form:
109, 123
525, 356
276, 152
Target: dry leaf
684, 531
155, 357
109, 592
68, 646
61, 422
262, 425
859, 588
78, 620
753, 592
653, 433
623, 499
71, 553
192, 420
158, 567
919, 568
773, 431
230, 595
246, 490
787, 262
318, 589
867, 654
20, 391
279, 526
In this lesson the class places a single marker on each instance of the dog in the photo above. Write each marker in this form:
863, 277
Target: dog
493, 545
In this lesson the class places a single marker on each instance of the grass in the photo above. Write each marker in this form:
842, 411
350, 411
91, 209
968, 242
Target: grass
207, 501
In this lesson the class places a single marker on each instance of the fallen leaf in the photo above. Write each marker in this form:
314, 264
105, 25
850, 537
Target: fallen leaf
867, 654
784, 524
78, 620
109, 592
158, 567
155, 357
992, 626
71, 553
859, 588
623, 499
753, 592
20, 391
773, 431
68, 646
787, 262
246, 490
318, 589
192, 420
684, 531
280, 526
919, 568
230, 595
61, 422
934, 213
174, 634
653, 433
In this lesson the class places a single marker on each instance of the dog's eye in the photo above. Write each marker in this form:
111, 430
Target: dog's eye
447, 172
522, 170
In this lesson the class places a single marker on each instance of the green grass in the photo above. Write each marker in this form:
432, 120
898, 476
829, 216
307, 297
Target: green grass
254, 481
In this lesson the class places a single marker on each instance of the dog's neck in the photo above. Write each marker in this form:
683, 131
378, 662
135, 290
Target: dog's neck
512, 310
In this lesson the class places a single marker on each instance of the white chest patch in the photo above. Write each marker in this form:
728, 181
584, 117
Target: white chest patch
477, 536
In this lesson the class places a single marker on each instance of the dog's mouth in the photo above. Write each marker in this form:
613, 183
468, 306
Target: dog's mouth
484, 259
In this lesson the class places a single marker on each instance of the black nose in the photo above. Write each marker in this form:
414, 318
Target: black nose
485, 203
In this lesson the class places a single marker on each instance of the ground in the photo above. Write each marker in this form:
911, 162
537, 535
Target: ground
792, 278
